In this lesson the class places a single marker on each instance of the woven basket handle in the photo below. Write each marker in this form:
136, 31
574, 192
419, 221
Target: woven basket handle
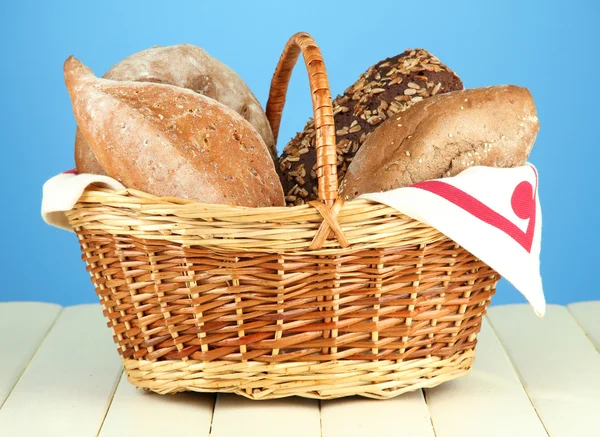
322, 108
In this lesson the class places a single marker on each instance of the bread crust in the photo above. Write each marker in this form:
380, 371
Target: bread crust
444, 135
172, 142
386, 88
186, 66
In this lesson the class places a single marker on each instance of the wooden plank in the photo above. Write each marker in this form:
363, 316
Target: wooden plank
488, 401
557, 364
24, 326
181, 415
405, 415
588, 317
67, 387
290, 417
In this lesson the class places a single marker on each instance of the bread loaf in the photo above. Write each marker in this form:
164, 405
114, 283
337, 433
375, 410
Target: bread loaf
386, 88
443, 136
190, 67
170, 141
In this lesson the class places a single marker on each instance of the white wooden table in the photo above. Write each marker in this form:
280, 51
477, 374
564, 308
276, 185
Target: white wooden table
533, 377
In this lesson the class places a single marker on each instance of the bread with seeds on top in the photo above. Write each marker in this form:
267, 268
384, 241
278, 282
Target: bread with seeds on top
385, 89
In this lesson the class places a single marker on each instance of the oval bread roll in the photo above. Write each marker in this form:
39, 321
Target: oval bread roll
172, 142
185, 66
444, 135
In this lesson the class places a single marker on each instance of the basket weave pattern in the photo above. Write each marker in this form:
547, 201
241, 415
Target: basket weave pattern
321, 300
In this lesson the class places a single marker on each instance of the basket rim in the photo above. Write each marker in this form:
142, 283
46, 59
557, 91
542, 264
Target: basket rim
150, 199
362, 224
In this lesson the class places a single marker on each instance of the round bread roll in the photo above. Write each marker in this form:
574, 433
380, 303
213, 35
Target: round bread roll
185, 66
444, 135
388, 87
172, 142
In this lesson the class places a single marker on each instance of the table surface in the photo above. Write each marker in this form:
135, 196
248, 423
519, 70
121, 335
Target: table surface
60, 375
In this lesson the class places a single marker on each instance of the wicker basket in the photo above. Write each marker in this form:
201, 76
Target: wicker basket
322, 300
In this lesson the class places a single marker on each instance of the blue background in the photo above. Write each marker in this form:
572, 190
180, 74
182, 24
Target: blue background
549, 47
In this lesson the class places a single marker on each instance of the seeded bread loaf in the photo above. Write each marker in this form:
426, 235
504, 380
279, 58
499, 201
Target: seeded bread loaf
172, 142
385, 89
190, 67
443, 136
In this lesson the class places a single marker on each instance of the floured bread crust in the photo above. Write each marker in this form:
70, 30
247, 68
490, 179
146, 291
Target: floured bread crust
185, 66
172, 142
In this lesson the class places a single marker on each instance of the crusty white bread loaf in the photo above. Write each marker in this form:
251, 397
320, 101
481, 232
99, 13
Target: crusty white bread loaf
186, 66
172, 142
442, 136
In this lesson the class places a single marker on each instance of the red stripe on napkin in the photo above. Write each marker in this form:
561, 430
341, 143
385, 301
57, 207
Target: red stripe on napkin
522, 202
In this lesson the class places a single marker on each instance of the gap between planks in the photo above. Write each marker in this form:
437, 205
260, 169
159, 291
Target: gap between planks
181, 414
72, 376
491, 393
587, 315
27, 325
356, 410
557, 364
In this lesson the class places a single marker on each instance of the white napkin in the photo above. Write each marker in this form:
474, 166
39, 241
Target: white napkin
60, 194
494, 213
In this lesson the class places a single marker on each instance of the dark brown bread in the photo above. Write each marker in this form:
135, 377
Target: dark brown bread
172, 142
385, 89
443, 136
186, 66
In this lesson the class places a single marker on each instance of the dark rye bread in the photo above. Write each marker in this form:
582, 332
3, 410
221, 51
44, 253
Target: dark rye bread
389, 87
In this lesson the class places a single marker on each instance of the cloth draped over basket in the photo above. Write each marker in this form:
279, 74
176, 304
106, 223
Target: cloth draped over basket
374, 297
